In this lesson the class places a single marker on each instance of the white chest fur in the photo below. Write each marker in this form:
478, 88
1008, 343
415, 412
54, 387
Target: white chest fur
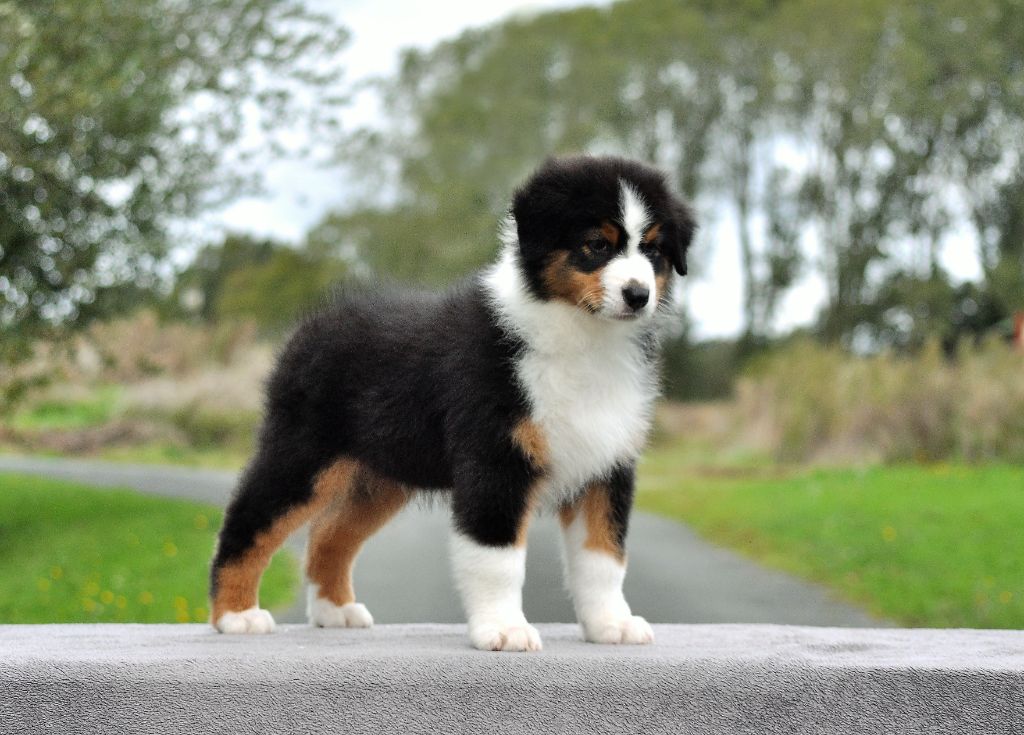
590, 388
593, 406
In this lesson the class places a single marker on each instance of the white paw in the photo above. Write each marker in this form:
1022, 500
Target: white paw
326, 614
492, 636
253, 620
629, 629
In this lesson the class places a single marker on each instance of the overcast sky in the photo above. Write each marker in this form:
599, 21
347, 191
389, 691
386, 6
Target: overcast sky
299, 193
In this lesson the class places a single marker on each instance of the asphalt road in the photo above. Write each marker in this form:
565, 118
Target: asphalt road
402, 573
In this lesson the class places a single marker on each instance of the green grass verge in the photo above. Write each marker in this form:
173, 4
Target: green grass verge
92, 410
935, 546
70, 553
163, 453
190, 435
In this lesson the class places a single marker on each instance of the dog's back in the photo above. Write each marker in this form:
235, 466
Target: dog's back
377, 374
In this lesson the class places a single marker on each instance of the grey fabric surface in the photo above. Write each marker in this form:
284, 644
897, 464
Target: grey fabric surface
425, 679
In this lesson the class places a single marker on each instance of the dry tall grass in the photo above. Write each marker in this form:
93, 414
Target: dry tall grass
814, 403
144, 381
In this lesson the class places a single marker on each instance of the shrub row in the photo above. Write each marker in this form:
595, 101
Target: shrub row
810, 402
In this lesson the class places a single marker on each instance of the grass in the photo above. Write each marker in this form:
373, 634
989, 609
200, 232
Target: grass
71, 553
925, 545
189, 435
94, 409
217, 458
932, 546
158, 453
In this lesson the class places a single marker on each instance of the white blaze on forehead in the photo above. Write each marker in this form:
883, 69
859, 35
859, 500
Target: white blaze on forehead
630, 266
634, 214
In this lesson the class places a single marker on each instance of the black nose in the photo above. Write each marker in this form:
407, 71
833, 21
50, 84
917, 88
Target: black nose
635, 296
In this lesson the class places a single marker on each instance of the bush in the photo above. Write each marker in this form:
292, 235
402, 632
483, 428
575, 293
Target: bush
823, 403
143, 345
275, 293
702, 371
138, 381
208, 429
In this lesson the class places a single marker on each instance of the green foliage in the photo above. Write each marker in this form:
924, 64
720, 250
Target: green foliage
275, 292
52, 413
474, 115
699, 372
199, 287
872, 129
244, 279
1004, 261
70, 553
220, 458
825, 403
206, 428
934, 546
115, 118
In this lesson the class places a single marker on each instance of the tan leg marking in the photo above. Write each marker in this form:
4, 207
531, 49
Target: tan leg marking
596, 509
530, 439
532, 501
238, 581
358, 509
596, 568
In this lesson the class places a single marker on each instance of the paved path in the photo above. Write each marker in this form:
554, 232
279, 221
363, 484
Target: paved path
402, 574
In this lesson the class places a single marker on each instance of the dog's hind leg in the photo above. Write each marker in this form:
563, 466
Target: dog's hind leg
357, 510
277, 494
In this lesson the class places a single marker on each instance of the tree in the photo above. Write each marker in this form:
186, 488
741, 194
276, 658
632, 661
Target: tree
118, 117
198, 289
275, 292
471, 117
688, 87
854, 139
259, 280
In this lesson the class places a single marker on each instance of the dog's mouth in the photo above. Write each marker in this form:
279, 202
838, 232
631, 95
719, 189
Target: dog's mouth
629, 316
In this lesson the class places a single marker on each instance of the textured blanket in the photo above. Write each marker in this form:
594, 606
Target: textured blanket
425, 679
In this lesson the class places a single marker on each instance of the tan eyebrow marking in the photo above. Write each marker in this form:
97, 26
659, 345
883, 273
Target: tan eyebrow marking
652, 232
610, 232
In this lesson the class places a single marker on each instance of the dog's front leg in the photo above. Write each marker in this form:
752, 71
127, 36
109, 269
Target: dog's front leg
488, 551
594, 534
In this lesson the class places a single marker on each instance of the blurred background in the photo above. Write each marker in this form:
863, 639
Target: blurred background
844, 385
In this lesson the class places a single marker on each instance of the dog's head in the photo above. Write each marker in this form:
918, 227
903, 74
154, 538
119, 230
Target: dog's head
601, 233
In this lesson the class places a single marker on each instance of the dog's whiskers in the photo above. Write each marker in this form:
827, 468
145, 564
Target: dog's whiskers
584, 299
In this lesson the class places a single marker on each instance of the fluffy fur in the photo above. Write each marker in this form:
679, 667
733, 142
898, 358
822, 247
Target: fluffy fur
529, 385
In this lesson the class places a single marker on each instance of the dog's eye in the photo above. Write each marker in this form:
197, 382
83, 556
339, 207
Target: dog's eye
598, 246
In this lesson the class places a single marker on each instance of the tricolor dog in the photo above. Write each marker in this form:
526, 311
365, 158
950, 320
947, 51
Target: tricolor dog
530, 386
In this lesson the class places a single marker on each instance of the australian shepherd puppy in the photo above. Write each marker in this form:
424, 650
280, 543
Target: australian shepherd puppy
529, 386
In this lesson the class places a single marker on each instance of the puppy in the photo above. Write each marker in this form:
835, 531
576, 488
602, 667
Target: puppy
529, 386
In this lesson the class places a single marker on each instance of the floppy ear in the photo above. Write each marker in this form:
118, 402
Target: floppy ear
539, 205
683, 228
